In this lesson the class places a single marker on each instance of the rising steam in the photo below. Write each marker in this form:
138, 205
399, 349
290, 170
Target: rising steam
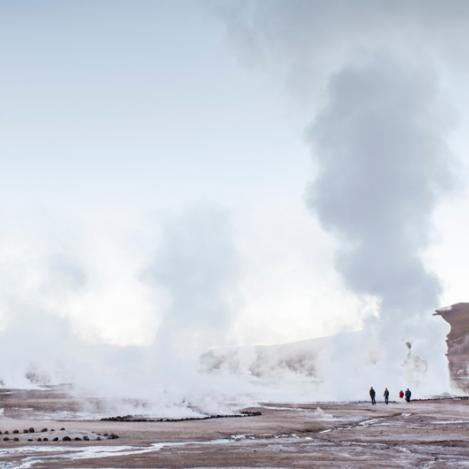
129, 311
380, 144
383, 166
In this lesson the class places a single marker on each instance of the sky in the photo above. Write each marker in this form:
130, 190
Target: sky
156, 165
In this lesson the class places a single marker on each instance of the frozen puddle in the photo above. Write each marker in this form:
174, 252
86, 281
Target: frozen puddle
27, 456
450, 422
369, 422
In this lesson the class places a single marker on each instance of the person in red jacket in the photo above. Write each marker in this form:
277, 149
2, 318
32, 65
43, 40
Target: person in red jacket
401, 393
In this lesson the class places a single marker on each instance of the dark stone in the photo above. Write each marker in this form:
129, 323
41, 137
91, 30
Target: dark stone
31, 430
66, 438
56, 438
133, 418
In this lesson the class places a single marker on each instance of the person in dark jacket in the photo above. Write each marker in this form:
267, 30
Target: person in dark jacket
408, 395
372, 395
386, 396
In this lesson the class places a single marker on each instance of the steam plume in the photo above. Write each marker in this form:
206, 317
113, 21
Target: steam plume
383, 162
383, 165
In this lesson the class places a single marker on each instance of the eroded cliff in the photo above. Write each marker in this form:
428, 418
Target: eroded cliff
457, 316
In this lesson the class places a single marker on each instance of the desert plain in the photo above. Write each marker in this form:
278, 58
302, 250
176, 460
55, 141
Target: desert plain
422, 433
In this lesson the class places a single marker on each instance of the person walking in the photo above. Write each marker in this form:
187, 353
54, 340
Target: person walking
372, 395
408, 395
386, 396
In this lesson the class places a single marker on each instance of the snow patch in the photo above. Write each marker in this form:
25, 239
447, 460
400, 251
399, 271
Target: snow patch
71, 453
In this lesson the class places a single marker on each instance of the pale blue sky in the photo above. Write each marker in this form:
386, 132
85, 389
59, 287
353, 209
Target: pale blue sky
118, 115
137, 101
108, 108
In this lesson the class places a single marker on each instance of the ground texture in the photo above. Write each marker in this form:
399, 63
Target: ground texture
428, 434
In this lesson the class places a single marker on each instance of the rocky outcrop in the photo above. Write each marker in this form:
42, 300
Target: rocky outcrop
457, 316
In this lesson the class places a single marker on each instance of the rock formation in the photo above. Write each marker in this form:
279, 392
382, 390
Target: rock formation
457, 316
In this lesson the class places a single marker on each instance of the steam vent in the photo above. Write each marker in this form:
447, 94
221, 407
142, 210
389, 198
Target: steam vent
457, 316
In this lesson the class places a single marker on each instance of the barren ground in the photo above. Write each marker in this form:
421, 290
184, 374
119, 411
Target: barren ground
353, 435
